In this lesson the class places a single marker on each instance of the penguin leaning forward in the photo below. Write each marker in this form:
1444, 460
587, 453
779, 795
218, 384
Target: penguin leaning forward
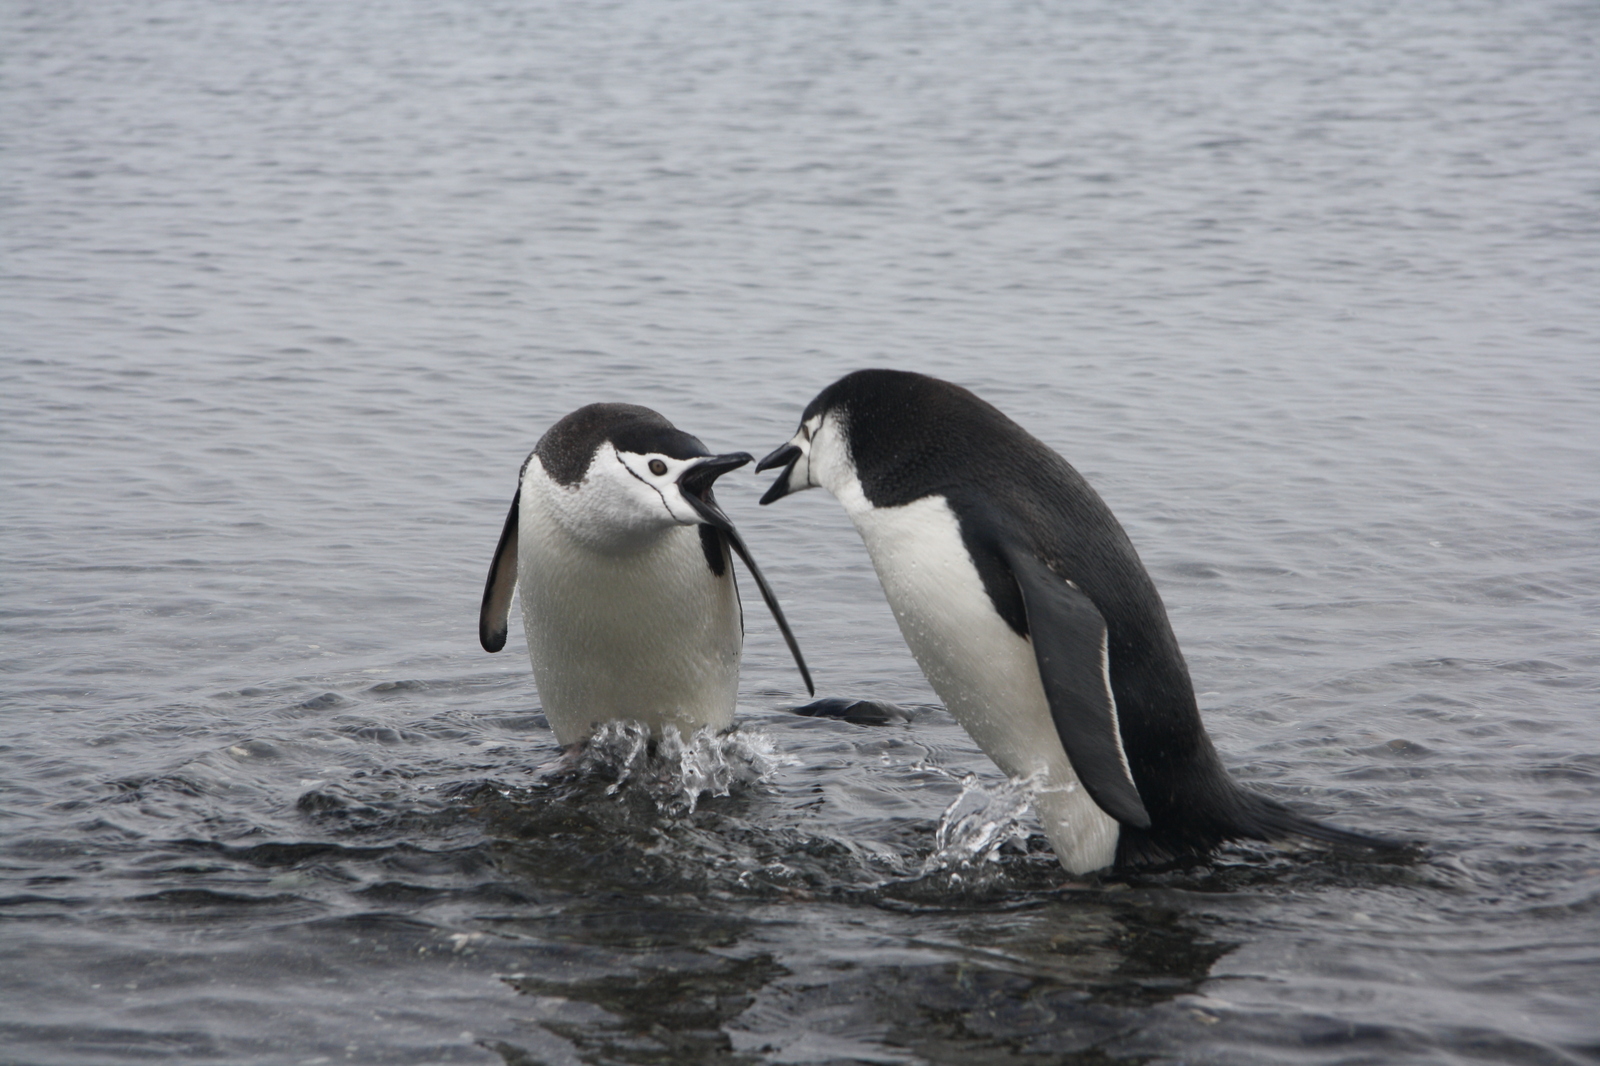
1026, 606
622, 557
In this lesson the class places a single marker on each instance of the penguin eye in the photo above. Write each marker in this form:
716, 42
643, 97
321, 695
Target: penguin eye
657, 467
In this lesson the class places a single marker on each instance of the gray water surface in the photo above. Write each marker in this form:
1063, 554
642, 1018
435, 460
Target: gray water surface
1307, 291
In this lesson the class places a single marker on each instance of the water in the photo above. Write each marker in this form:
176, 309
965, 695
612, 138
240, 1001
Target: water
1306, 291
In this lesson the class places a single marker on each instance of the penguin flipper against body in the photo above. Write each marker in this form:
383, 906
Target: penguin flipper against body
494, 618
1070, 645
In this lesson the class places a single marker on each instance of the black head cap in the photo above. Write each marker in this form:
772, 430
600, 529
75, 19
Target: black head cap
568, 447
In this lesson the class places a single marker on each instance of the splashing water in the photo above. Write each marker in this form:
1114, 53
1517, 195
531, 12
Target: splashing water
978, 823
675, 773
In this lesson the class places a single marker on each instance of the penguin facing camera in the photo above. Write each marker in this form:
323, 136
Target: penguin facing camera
622, 557
1029, 611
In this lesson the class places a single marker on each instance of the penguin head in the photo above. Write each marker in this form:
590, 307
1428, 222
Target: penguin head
865, 427
819, 455
626, 474
882, 438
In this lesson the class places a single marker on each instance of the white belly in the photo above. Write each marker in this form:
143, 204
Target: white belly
650, 634
985, 673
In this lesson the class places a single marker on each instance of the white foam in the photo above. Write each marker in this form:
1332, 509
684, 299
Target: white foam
978, 823
677, 773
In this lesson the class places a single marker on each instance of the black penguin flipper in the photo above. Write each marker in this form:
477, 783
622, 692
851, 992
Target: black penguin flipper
772, 604
1070, 645
494, 618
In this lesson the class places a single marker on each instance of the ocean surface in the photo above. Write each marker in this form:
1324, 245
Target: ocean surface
1310, 292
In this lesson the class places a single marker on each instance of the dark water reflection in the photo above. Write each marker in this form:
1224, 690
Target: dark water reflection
632, 955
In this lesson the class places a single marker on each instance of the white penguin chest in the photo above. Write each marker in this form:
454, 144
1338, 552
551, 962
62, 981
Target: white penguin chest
649, 633
985, 673
980, 667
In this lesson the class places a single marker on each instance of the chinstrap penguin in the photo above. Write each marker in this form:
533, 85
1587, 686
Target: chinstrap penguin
621, 554
1029, 611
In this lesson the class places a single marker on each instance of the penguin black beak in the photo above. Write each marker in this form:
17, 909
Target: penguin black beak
696, 483
786, 456
787, 453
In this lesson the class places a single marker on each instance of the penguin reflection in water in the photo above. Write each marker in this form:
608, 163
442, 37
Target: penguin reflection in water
622, 557
1024, 603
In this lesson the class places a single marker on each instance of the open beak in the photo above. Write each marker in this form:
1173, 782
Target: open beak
695, 484
786, 456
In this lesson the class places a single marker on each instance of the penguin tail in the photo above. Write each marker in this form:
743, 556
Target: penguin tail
1267, 819
1238, 814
